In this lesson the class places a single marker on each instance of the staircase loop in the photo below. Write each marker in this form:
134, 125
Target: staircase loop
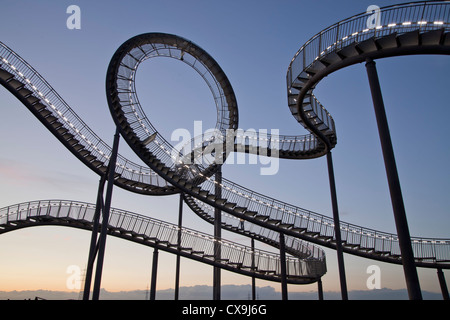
413, 28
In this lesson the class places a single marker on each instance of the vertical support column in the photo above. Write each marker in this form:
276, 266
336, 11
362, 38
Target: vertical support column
404, 238
93, 247
253, 269
284, 290
177, 271
337, 228
105, 219
217, 237
154, 274
320, 288
443, 284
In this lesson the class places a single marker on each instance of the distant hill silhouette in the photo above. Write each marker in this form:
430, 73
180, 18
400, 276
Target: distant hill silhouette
229, 292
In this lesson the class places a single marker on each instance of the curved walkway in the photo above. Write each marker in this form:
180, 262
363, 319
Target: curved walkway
168, 237
421, 28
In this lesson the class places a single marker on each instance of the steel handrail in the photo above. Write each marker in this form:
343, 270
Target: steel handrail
398, 18
353, 235
14, 63
162, 231
60, 109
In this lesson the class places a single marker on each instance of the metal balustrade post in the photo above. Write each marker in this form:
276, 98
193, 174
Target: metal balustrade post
443, 284
320, 288
217, 237
93, 247
337, 228
404, 238
284, 290
253, 269
154, 274
105, 219
177, 271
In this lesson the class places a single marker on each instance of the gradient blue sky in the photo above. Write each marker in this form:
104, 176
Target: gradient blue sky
253, 41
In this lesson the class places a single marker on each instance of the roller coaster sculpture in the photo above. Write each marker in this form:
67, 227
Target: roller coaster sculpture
414, 28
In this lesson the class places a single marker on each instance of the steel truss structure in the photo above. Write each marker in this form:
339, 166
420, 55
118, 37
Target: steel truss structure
413, 28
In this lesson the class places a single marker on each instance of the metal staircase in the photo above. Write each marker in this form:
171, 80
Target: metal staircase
421, 28
43, 101
412, 28
60, 119
151, 232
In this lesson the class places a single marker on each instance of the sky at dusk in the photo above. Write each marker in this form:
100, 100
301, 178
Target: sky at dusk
253, 42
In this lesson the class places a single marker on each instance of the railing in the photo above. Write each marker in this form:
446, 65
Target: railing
330, 39
158, 231
423, 16
296, 246
352, 235
125, 90
33, 81
402, 18
251, 141
132, 110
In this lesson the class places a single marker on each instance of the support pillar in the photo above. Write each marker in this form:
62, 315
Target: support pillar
284, 290
93, 249
105, 219
154, 274
217, 238
320, 288
177, 271
253, 268
404, 238
337, 228
443, 284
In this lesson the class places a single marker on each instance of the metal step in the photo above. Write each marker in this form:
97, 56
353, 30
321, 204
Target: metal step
409, 39
325, 238
221, 201
368, 45
239, 209
230, 205
299, 230
349, 51
24, 92
32, 99
273, 221
5, 75
211, 197
266, 271
236, 264
316, 67
203, 193
331, 58
388, 42
44, 112
431, 37
251, 213
15, 84
39, 107
311, 233
447, 39
261, 217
